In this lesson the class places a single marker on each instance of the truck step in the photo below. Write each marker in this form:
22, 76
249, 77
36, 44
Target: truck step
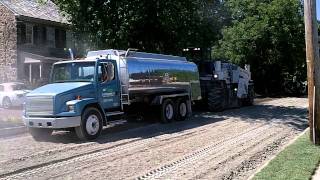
115, 113
125, 99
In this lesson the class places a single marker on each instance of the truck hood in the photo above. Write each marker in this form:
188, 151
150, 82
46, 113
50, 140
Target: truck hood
58, 88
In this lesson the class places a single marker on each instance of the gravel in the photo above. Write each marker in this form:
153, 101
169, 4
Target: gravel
228, 145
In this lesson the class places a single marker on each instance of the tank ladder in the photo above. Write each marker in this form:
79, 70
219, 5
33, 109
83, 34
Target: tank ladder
124, 82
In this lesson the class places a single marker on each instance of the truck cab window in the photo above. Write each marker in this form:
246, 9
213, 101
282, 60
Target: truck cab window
106, 72
73, 72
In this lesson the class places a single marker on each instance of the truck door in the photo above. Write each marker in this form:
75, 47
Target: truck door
109, 90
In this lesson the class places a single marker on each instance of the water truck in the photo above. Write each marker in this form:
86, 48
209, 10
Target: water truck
84, 95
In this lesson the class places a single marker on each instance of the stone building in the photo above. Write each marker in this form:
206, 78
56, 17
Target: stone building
33, 36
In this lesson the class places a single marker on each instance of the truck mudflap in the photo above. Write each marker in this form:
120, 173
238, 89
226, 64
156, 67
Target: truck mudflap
52, 123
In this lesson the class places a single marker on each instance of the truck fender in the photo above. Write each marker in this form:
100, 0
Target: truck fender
159, 99
82, 104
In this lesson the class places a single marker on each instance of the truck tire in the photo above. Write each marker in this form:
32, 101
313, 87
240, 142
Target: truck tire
250, 99
167, 111
217, 97
6, 103
40, 134
91, 124
181, 109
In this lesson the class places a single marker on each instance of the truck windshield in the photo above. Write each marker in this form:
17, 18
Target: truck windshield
73, 72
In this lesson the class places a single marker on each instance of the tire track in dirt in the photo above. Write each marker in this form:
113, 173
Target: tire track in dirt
85, 159
131, 156
269, 149
202, 153
45, 149
130, 144
242, 159
250, 164
119, 151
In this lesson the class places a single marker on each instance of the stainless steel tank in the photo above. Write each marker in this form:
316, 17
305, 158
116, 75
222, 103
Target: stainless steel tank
154, 73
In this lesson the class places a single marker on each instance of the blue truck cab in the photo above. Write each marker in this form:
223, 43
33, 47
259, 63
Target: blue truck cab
78, 93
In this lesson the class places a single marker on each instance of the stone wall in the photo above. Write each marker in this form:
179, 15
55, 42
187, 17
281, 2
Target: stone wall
8, 45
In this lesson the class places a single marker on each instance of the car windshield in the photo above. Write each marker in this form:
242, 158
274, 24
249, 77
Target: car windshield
73, 72
19, 87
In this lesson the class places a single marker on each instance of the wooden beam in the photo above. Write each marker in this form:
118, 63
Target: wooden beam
313, 68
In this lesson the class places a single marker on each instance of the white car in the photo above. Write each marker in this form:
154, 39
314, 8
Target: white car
12, 94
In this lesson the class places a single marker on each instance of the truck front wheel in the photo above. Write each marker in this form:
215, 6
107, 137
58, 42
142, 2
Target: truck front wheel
91, 124
40, 134
167, 111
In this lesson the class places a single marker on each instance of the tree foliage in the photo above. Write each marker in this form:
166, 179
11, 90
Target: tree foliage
149, 25
269, 35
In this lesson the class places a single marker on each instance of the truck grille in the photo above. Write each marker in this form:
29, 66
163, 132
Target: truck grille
39, 106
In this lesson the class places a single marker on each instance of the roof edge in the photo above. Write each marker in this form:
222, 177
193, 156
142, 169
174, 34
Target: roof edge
42, 21
13, 11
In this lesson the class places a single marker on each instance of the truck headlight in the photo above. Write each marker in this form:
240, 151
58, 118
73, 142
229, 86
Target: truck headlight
24, 112
71, 108
215, 76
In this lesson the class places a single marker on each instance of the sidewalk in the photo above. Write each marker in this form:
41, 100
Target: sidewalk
316, 176
10, 117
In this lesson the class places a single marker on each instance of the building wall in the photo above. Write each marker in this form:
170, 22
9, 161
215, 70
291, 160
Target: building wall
8, 45
42, 53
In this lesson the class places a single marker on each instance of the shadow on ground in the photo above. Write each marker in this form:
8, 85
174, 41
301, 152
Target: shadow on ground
292, 117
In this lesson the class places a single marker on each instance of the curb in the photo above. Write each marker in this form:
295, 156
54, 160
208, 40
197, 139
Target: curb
273, 157
316, 174
12, 131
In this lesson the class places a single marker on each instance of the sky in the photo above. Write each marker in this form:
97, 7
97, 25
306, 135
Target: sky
318, 9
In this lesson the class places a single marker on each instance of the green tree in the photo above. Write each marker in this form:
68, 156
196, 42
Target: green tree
149, 25
269, 35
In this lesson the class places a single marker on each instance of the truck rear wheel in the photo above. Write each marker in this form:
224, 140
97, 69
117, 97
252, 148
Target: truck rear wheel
167, 111
91, 124
217, 97
250, 99
40, 134
181, 109
6, 103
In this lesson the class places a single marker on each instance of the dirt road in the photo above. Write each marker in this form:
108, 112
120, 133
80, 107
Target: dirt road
227, 145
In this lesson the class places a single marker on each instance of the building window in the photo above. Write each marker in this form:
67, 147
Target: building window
35, 35
39, 35
29, 34
24, 33
44, 35
21, 32
60, 38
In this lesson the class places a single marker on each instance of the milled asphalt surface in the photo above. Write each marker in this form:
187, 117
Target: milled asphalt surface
228, 145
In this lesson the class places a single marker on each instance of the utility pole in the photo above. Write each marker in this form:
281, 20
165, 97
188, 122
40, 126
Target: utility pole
313, 69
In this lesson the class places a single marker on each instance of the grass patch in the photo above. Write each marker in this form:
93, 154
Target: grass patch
298, 161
